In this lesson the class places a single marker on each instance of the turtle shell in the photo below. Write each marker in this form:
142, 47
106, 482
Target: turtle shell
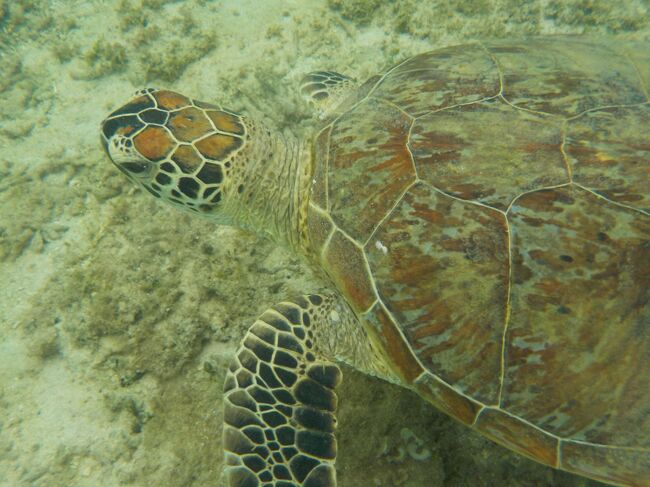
485, 209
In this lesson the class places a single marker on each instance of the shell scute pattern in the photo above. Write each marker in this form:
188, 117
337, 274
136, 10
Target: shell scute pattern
350, 273
389, 340
447, 399
440, 79
452, 321
566, 79
605, 154
496, 198
371, 158
519, 435
580, 268
450, 156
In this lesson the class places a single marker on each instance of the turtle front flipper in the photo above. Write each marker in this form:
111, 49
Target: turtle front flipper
326, 90
280, 404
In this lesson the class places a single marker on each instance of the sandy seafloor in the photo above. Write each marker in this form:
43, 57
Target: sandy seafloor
118, 315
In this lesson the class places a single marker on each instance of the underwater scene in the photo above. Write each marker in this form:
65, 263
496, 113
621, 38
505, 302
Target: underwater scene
120, 315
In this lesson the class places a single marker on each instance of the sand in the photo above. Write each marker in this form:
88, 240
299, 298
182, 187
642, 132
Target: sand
118, 315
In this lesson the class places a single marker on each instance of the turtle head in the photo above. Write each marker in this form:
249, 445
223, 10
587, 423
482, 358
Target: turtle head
180, 150
200, 157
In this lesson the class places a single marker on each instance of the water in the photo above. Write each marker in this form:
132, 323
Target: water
118, 315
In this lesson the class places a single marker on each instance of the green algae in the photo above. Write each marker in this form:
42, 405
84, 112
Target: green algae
597, 15
104, 58
168, 65
358, 11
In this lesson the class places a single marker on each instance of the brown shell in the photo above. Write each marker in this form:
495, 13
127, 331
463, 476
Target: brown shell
486, 210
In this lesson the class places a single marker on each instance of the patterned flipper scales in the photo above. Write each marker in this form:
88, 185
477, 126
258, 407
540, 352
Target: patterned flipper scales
280, 404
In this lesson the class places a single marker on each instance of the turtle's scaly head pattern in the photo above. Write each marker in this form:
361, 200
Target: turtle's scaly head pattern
180, 150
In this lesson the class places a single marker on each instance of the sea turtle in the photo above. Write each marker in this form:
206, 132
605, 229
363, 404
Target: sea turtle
481, 218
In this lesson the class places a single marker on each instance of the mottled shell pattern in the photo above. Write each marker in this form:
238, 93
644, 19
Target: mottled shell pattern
486, 210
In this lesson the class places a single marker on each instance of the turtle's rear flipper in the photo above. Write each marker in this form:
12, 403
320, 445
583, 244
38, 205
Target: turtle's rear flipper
326, 90
280, 404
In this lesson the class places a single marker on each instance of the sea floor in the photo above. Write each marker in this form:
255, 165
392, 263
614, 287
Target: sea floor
118, 315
